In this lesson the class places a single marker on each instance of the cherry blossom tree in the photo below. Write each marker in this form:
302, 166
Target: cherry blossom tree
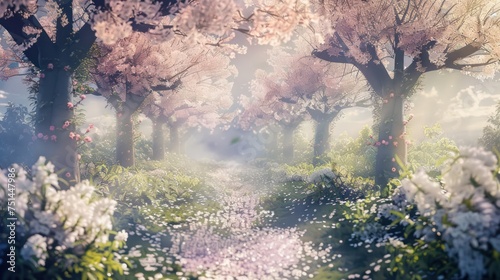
56, 35
323, 88
393, 43
202, 101
267, 105
129, 72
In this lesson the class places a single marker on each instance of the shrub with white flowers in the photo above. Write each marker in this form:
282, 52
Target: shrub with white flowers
438, 227
464, 211
60, 232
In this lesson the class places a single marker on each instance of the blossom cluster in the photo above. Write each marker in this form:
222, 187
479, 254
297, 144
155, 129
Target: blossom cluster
464, 210
54, 223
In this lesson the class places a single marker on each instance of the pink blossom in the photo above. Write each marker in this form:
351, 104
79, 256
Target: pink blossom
53, 137
79, 157
72, 135
83, 96
40, 135
393, 159
377, 144
390, 137
77, 137
67, 68
68, 174
395, 143
50, 66
394, 169
91, 126
391, 95
42, 75
66, 124
87, 139
75, 82
45, 137
70, 105
386, 101
52, 128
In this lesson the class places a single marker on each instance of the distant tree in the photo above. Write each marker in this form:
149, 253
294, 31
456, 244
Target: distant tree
393, 43
201, 99
323, 89
267, 106
491, 133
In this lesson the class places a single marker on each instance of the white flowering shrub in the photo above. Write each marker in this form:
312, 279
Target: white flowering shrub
464, 212
58, 233
444, 228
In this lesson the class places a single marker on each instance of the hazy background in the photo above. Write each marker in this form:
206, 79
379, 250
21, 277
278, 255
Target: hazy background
460, 103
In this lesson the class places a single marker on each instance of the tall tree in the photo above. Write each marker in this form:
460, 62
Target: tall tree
324, 89
393, 43
55, 42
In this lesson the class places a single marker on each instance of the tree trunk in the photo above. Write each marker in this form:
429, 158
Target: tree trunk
158, 140
125, 137
174, 139
321, 140
288, 143
52, 110
391, 141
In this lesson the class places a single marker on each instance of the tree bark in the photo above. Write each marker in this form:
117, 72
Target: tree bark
158, 140
288, 148
321, 140
125, 137
174, 139
52, 110
391, 141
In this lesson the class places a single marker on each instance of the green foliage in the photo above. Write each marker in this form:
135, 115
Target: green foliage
303, 169
431, 153
405, 256
491, 133
102, 150
15, 136
98, 261
354, 156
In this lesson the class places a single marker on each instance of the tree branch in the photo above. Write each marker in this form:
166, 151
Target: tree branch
324, 55
14, 25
